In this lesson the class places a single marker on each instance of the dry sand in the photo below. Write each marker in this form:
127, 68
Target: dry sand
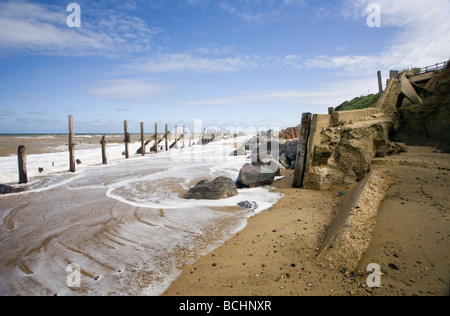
275, 254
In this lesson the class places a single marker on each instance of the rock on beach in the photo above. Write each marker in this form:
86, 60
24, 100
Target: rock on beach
220, 188
258, 174
6, 189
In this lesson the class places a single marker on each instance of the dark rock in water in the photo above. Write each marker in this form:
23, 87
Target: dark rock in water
41, 170
6, 189
78, 162
255, 175
220, 188
248, 205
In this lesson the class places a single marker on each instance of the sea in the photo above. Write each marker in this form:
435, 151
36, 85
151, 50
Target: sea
118, 229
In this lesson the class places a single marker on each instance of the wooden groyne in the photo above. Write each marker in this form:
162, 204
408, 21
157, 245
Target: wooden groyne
161, 142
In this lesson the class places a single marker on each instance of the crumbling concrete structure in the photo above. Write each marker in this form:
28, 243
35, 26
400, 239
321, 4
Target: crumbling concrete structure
351, 232
341, 146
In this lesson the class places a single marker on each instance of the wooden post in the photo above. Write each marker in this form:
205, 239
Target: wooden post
156, 138
142, 139
302, 151
71, 145
176, 137
22, 160
184, 135
380, 83
104, 158
126, 139
166, 137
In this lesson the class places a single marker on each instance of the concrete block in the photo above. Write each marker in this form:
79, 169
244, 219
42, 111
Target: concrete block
350, 234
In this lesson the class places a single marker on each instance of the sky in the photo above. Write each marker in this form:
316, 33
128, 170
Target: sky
230, 63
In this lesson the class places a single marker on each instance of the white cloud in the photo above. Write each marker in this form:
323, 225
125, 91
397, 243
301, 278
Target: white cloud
42, 29
421, 38
186, 62
253, 11
327, 95
127, 90
262, 12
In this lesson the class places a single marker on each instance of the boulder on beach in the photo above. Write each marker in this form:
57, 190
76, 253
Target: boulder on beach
220, 188
257, 174
6, 189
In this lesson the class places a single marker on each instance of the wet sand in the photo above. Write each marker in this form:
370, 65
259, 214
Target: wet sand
124, 224
275, 254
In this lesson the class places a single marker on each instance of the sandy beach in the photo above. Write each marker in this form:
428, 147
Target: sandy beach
275, 254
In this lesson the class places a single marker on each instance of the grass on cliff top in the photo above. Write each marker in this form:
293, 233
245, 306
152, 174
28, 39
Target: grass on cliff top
360, 103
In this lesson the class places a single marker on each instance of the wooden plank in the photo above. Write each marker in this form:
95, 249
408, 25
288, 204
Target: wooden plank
71, 145
156, 138
104, 158
126, 139
302, 150
175, 144
166, 137
22, 161
380, 82
142, 140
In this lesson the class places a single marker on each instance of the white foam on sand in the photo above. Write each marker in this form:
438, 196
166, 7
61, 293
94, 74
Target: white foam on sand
125, 224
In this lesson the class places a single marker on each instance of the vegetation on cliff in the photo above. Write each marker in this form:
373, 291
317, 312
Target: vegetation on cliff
359, 103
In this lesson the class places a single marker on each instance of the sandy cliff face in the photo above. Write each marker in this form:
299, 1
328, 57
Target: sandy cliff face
343, 144
428, 124
343, 155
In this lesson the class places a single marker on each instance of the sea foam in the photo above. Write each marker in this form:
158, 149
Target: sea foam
125, 224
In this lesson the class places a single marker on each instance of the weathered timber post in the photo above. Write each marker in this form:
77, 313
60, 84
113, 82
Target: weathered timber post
104, 158
22, 160
127, 139
166, 137
176, 137
156, 138
142, 139
302, 151
380, 83
184, 135
71, 145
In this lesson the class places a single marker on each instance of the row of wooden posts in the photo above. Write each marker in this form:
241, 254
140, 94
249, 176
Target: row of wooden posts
208, 136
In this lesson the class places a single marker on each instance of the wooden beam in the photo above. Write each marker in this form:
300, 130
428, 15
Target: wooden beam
302, 150
71, 145
156, 138
126, 139
142, 140
166, 137
22, 160
104, 158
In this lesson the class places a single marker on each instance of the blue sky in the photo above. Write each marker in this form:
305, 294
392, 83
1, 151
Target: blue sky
231, 63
